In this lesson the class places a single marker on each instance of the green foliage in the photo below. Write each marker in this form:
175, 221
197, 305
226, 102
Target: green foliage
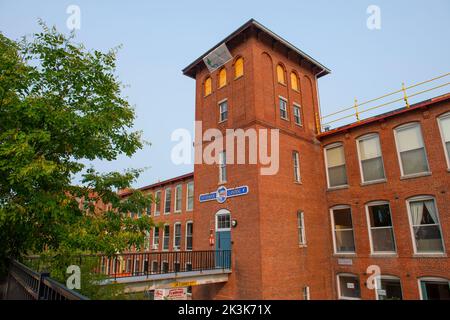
61, 105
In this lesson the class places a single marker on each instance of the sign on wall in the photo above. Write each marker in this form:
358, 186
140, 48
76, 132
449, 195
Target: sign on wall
171, 294
222, 194
217, 58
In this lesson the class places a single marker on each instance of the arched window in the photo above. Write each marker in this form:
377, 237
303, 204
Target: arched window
294, 81
222, 77
280, 74
208, 87
239, 68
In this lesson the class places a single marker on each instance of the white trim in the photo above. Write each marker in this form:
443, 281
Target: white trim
411, 228
339, 286
175, 210
165, 200
297, 105
386, 277
157, 204
407, 126
301, 226
163, 237
430, 279
331, 146
333, 233
297, 172
279, 107
441, 117
220, 112
175, 248
220, 213
186, 234
153, 239
187, 196
223, 165
366, 137
369, 227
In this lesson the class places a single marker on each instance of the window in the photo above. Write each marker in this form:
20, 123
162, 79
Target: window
165, 267
222, 167
306, 295
223, 221
297, 115
147, 240
381, 233
223, 110
190, 196
434, 289
222, 77
301, 229
281, 74
444, 126
370, 158
296, 163
344, 241
413, 158
348, 287
155, 244
189, 235
149, 208
283, 108
335, 161
178, 196
425, 227
239, 68
294, 81
388, 288
208, 86
157, 202
167, 200
154, 266
166, 237
177, 236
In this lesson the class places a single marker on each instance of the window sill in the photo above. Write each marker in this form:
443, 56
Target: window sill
178, 211
298, 124
368, 183
281, 83
239, 77
222, 183
189, 210
342, 254
166, 213
222, 121
207, 95
430, 255
416, 175
338, 187
285, 119
384, 255
302, 246
298, 182
222, 86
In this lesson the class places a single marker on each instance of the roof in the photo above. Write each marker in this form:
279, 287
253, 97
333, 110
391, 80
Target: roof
386, 115
190, 69
189, 175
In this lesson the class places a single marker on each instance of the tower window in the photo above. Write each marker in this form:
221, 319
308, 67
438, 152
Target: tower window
281, 75
223, 110
239, 68
297, 115
283, 108
222, 77
208, 86
294, 81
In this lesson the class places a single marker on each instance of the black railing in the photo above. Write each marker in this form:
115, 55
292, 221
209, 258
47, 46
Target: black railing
151, 263
26, 284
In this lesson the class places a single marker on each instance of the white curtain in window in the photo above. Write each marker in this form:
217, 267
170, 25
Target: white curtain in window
409, 138
429, 204
416, 212
335, 156
445, 127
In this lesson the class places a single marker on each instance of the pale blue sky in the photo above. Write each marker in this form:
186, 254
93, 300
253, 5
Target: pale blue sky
160, 38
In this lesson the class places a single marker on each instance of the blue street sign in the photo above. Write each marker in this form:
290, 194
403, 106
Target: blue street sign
222, 194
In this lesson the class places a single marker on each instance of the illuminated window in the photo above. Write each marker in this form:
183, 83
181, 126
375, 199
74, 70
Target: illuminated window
239, 68
222, 77
208, 86
280, 74
294, 81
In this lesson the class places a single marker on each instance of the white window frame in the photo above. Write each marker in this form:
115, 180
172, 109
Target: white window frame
164, 237
157, 213
411, 227
338, 285
366, 137
178, 194
369, 228
220, 103
285, 109
429, 279
296, 165
301, 228
175, 248
441, 132
187, 196
333, 230
154, 270
222, 212
186, 235
404, 126
331, 146
154, 238
223, 166
385, 277
299, 107
165, 200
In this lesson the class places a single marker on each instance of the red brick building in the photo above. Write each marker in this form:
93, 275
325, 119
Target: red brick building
373, 195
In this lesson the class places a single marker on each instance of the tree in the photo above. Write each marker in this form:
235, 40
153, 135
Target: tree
61, 105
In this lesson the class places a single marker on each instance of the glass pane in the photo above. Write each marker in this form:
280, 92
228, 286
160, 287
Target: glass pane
372, 169
392, 288
409, 138
380, 216
369, 148
428, 239
337, 176
447, 145
414, 161
383, 240
335, 156
345, 241
445, 128
349, 287
436, 290
342, 218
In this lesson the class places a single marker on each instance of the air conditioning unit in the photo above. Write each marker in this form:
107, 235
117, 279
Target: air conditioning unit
154, 247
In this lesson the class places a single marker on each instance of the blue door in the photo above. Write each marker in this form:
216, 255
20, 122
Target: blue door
223, 242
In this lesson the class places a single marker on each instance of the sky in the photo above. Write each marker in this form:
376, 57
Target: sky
160, 38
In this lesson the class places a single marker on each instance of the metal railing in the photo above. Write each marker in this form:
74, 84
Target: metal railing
26, 284
152, 263
339, 116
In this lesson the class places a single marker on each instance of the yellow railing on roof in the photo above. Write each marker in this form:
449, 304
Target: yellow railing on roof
356, 107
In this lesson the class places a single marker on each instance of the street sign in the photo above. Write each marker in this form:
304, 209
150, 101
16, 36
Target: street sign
222, 194
171, 294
